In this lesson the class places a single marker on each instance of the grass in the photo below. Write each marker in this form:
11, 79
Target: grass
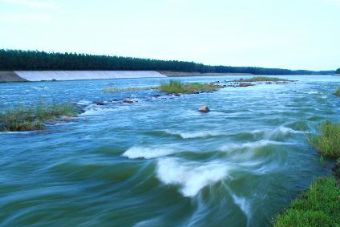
261, 79
337, 92
319, 206
177, 87
33, 118
115, 89
327, 143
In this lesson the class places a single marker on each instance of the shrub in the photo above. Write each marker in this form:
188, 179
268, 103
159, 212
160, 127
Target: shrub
327, 143
337, 92
319, 206
177, 87
33, 118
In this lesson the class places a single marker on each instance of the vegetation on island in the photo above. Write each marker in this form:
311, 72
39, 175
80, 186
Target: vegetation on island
38, 60
319, 206
33, 118
262, 79
337, 71
177, 87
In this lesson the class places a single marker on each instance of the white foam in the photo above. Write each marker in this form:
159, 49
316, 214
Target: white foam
147, 152
94, 109
191, 177
244, 206
193, 135
84, 102
250, 145
284, 130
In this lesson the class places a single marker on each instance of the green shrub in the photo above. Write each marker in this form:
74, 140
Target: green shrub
319, 206
177, 87
262, 79
33, 118
327, 143
337, 92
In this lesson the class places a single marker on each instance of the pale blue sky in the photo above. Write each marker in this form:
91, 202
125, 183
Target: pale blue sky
296, 34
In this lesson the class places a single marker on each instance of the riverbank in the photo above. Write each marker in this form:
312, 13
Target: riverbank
20, 76
10, 76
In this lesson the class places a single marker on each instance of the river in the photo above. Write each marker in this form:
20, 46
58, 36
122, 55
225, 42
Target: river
159, 162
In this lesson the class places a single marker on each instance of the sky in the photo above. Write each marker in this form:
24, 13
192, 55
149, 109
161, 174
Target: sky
293, 34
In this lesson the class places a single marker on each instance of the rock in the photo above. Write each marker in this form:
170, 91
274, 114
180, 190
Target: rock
99, 103
203, 109
127, 100
245, 85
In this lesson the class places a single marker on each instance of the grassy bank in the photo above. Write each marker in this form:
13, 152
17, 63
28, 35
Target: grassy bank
262, 79
319, 206
327, 143
177, 87
33, 118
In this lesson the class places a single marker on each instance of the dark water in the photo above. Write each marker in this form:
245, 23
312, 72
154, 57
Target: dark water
159, 162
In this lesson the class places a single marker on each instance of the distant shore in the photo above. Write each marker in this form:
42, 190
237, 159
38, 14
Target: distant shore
21, 76
182, 74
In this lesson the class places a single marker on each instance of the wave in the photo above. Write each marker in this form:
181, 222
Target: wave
94, 109
244, 206
147, 152
250, 145
84, 102
193, 135
189, 176
283, 131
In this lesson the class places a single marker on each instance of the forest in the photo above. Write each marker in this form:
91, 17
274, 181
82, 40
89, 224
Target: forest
337, 71
39, 60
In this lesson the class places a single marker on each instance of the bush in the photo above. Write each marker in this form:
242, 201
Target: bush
337, 92
327, 143
33, 118
319, 206
177, 87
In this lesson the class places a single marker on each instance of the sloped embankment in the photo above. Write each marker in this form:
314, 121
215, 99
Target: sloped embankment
10, 76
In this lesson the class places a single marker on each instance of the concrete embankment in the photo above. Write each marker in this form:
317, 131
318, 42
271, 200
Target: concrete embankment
10, 76
17, 76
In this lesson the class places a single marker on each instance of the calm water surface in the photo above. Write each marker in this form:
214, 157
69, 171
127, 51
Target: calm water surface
159, 162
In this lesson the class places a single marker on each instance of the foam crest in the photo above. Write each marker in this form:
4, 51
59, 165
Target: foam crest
147, 152
250, 145
193, 135
191, 177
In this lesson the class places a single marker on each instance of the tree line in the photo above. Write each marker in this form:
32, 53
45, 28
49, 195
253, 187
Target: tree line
39, 60
337, 71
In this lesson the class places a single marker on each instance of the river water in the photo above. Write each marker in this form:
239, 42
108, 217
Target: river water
159, 162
